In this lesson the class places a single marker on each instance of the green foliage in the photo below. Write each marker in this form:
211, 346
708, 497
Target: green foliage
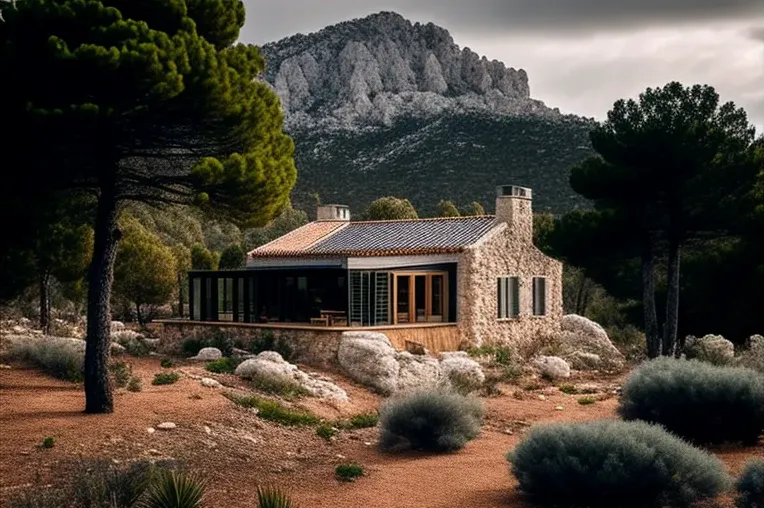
273, 498
121, 373
274, 411
225, 365
289, 220
232, 258
166, 363
267, 341
695, 400
277, 386
48, 442
326, 431
103, 483
446, 208
145, 269
135, 384
362, 421
216, 338
568, 389
612, 463
60, 358
587, 401
474, 209
174, 489
202, 259
165, 378
390, 208
348, 472
430, 421
750, 486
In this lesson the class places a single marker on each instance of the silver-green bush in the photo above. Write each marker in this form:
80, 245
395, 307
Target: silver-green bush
696, 400
431, 421
613, 464
59, 357
750, 486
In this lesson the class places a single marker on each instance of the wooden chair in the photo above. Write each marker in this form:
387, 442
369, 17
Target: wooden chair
320, 321
339, 321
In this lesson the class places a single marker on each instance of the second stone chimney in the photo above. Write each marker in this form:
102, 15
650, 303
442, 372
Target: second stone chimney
333, 213
513, 206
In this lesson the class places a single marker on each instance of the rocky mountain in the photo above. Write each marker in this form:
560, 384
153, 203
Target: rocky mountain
382, 106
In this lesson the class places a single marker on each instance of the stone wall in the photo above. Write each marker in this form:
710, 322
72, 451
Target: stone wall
501, 253
312, 347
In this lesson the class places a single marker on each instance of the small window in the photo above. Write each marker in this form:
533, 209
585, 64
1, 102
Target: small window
509, 297
338, 213
539, 296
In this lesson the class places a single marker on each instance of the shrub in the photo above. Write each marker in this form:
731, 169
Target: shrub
348, 472
278, 386
61, 358
132, 342
274, 411
696, 400
49, 442
165, 378
752, 358
267, 341
217, 339
135, 384
326, 431
587, 401
750, 486
568, 389
173, 489
103, 483
39, 496
613, 464
121, 372
273, 498
225, 365
362, 421
713, 349
432, 421
167, 364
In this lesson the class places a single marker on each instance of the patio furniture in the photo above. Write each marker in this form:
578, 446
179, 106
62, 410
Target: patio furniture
319, 321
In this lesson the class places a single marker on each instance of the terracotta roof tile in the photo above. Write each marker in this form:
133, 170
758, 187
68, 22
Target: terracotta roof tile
386, 238
299, 239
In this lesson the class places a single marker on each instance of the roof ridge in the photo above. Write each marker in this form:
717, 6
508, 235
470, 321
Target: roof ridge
423, 219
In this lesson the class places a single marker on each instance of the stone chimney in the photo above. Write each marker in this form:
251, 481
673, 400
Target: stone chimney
513, 206
333, 213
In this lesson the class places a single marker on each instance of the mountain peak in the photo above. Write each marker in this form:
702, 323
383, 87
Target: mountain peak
375, 69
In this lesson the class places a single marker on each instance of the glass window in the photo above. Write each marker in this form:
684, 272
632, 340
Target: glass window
508, 297
436, 308
539, 296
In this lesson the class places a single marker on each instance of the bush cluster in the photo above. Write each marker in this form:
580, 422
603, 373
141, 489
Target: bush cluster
165, 378
431, 421
121, 373
225, 365
613, 464
60, 358
217, 339
267, 341
750, 486
696, 400
274, 411
348, 472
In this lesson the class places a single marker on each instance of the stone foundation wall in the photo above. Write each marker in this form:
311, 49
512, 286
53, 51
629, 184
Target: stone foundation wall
311, 347
499, 254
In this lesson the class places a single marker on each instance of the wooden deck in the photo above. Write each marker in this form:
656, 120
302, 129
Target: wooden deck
436, 337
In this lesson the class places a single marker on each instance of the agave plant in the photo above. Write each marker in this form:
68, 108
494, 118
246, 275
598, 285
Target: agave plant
273, 498
173, 489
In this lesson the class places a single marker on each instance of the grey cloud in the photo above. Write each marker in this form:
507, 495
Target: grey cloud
269, 20
757, 33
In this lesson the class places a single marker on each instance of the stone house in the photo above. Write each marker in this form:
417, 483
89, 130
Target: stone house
441, 283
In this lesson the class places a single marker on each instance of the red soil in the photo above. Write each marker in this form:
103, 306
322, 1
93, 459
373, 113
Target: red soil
241, 451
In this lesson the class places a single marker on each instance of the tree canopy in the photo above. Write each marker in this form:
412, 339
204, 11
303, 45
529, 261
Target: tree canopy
390, 208
153, 103
233, 257
446, 208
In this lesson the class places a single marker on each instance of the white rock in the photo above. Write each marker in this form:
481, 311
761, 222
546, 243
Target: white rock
416, 371
552, 367
270, 365
210, 383
369, 358
542, 397
166, 426
582, 335
117, 326
208, 354
579, 360
151, 430
559, 408
207, 430
117, 349
5, 367
462, 373
711, 348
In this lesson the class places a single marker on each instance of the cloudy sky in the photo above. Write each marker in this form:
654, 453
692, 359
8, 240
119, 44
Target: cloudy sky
581, 55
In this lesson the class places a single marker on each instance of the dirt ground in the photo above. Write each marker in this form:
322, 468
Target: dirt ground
235, 451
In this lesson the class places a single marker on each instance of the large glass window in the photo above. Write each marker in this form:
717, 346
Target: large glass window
509, 297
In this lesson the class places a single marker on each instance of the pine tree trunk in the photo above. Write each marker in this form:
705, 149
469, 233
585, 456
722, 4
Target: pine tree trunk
180, 294
45, 320
648, 302
138, 315
671, 327
98, 390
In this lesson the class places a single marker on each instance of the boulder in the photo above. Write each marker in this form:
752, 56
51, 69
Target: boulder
416, 371
582, 335
117, 349
208, 354
369, 358
123, 335
552, 367
117, 326
210, 383
269, 365
711, 348
461, 373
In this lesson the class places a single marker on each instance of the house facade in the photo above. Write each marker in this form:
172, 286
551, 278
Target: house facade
443, 283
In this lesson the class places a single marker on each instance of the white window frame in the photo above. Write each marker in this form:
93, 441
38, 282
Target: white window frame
544, 311
508, 302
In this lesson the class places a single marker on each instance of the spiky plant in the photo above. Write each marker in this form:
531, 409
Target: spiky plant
173, 489
273, 497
